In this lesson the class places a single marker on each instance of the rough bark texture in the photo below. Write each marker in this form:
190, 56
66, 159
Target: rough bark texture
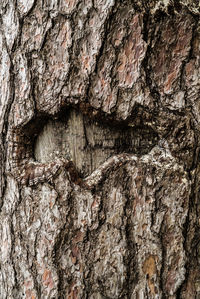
99, 173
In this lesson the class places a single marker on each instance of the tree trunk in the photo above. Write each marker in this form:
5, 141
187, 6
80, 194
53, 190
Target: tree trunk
99, 174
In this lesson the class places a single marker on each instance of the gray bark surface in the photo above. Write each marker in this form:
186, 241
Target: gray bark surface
99, 139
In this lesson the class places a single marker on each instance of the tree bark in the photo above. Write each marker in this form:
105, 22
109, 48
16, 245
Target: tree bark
99, 173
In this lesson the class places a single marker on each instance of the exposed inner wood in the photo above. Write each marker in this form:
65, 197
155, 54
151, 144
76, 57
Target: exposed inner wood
88, 143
